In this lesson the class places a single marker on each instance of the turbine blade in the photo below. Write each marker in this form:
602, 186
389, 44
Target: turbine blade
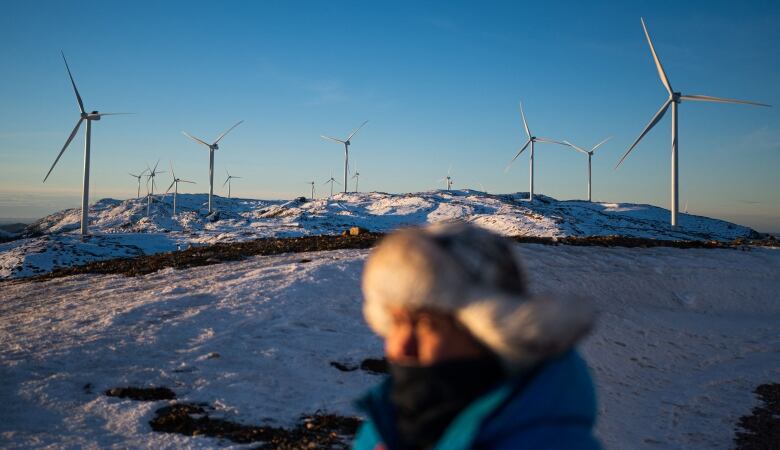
518, 154
228, 131
195, 139
187, 181
661, 72
358, 129
114, 114
525, 123
155, 167
575, 147
599, 144
70, 138
333, 139
334, 180
707, 98
78, 97
226, 180
549, 141
169, 187
649, 126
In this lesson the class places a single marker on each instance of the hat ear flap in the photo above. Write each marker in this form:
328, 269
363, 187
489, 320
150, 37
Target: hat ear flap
523, 332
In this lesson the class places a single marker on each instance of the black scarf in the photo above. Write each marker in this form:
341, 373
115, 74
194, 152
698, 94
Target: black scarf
428, 398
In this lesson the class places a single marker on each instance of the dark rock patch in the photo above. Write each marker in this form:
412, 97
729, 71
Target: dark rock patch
142, 394
376, 366
344, 367
320, 430
761, 429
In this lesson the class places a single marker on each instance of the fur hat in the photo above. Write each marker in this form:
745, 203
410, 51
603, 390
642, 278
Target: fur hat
472, 274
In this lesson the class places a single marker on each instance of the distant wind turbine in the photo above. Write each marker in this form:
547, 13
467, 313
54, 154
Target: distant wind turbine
448, 178
531, 140
175, 186
356, 177
138, 177
150, 183
331, 181
674, 99
590, 155
312, 189
89, 117
346, 143
212, 147
228, 181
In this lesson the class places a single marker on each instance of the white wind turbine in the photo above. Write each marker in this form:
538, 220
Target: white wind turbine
448, 178
175, 186
138, 177
228, 181
212, 147
590, 155
150, 192
88, 117
331, 181
531, 140
312, 189
356, 177
674, 99
346, 143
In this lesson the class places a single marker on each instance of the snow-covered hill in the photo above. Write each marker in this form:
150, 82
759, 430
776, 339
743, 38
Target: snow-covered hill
683, 338
122, 228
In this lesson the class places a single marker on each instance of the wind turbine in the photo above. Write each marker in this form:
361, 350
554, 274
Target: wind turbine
139, 176
212, 147
674, 99
590, 155
88, 117
175, 186
346, 143
531, 140
448, 178
227, 181
312, 189
150, 193
331, 181
356, 177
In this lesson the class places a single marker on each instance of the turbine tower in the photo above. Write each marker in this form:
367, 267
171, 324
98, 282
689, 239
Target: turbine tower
590, 155
175, 186
531, 140
212, 147
331, 181
673, 100
227, 181
138, 177
150, 193
88, 117
346, 143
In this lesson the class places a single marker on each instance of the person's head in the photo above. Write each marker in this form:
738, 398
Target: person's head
454, 292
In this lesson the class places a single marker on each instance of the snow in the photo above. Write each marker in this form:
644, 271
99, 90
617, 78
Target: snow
684, 336
121, 228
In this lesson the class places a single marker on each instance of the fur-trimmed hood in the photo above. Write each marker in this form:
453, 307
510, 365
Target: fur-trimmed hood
472, 274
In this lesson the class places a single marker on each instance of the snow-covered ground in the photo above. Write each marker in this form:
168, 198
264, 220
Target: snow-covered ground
683, 338
122, 228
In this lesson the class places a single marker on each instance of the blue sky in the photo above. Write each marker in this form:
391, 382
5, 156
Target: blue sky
440, 83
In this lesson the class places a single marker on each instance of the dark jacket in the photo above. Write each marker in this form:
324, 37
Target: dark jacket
554, 408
